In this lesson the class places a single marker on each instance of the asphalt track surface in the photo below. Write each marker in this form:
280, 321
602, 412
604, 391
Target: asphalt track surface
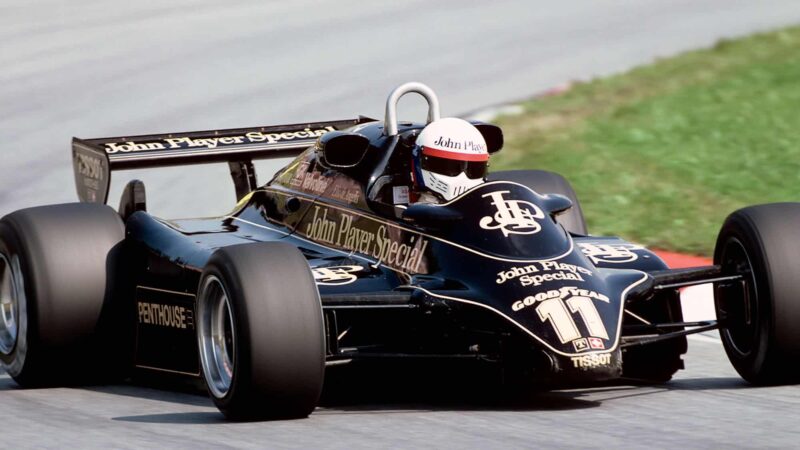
94, 69
706, 406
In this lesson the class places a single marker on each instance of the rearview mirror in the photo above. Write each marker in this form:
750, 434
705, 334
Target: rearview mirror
431, 216
492, 134
341, 150
555, 204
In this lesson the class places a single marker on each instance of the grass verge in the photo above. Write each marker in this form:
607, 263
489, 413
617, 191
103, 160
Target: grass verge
661, 154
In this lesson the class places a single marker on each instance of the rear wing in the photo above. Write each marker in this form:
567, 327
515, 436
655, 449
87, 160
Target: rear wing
93, 160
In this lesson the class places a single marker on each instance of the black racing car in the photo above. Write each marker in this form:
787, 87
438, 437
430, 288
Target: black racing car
320, 267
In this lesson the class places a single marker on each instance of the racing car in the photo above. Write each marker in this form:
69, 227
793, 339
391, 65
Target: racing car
331, 263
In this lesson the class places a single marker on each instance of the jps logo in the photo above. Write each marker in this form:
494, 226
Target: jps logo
610, 253
335, 275
512, 216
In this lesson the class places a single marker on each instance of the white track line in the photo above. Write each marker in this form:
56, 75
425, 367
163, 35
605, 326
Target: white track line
704, 338
698, 304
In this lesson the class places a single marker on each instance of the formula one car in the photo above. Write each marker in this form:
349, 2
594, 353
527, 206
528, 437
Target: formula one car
329, 264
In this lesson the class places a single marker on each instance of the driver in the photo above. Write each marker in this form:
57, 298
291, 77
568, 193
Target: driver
449, 158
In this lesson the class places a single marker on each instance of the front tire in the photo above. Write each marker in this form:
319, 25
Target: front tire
759, 315
261, 332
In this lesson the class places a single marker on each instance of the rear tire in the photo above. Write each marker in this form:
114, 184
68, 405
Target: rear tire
545, 182
57, 270
759, 317
261, 332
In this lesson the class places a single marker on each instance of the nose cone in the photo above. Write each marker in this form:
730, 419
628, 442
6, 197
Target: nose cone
569, 306
577, 319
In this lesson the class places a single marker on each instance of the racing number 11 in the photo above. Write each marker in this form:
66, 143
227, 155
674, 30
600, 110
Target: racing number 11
555, 310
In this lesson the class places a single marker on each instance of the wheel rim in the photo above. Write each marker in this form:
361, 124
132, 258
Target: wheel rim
216, 335
740, 308
10, 283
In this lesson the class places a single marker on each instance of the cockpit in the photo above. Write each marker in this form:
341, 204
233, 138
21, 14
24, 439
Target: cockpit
370, 165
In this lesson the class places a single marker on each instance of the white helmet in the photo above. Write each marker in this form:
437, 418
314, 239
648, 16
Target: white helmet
450, 157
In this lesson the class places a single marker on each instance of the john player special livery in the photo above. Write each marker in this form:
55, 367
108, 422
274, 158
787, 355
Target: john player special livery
339, 260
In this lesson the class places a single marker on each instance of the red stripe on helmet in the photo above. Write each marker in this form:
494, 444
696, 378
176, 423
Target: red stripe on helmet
455, 155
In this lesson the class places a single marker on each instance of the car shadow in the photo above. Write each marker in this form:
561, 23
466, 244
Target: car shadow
466, 402
348, 398
181, 393
415, 397
710, 384
681, 384
381, 393
394, 406
180, 418
178, 394
575, 398
402, 395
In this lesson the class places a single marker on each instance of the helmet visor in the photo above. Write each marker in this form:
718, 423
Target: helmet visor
453, 167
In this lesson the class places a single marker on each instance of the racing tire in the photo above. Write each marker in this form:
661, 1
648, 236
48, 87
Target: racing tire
260, 332
759, 316
57, 277
545, 182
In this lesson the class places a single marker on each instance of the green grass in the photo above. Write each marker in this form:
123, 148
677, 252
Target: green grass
662, 154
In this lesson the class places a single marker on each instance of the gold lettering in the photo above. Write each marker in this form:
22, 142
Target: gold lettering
256, 136
421, 255
176, 142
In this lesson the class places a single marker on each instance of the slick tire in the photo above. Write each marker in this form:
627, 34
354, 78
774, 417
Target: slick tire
759, 317
57, 276
261, 333
545, 182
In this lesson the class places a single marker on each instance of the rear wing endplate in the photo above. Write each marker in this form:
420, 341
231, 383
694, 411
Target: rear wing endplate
93, 160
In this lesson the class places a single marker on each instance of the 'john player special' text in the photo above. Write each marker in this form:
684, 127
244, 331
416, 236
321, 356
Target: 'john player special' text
393, 247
